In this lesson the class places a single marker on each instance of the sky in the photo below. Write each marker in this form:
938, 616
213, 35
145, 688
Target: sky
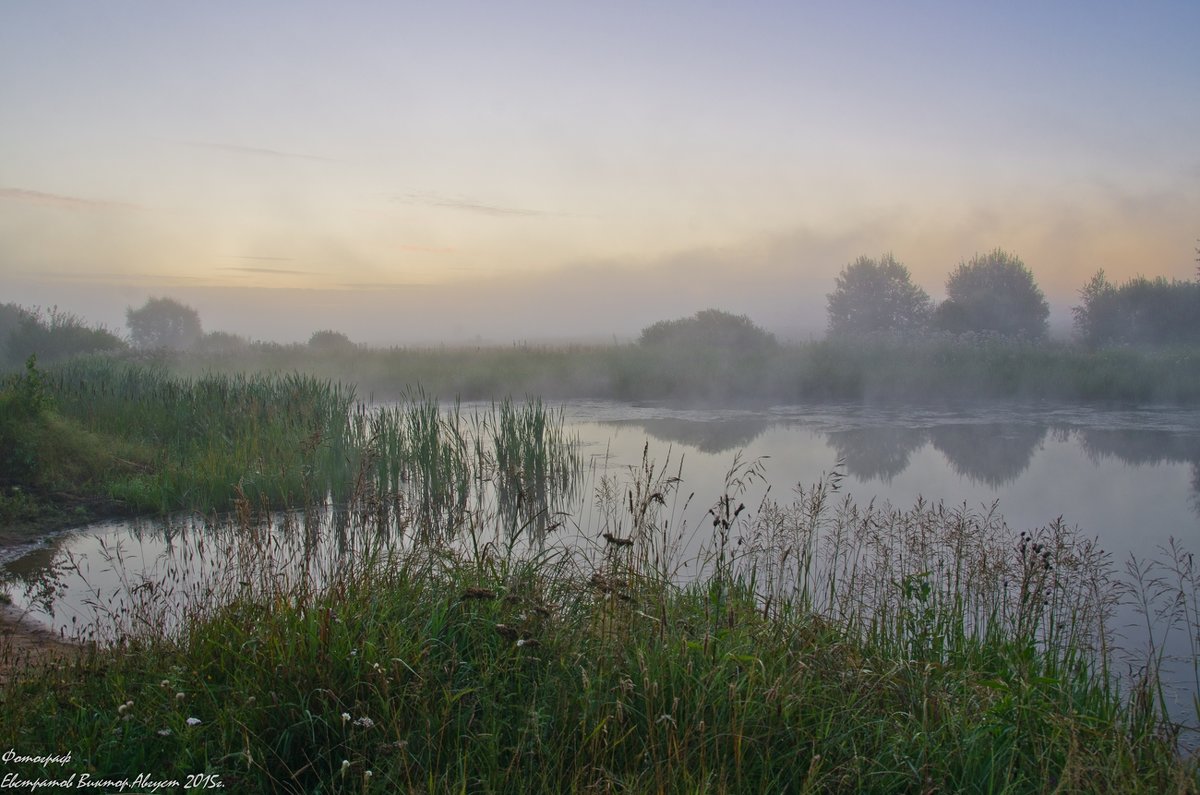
409, 173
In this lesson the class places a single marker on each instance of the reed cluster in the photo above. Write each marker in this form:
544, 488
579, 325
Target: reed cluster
156, 442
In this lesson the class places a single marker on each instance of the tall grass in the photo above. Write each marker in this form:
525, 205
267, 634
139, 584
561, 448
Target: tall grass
282, 441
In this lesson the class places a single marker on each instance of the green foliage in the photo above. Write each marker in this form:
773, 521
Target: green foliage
994, 294
24, 405
152, 443
164, 323
51, 336
1141, 311
51, 467
877, 296
273, 440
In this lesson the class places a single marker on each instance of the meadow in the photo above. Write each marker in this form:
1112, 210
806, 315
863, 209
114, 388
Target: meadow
455, 643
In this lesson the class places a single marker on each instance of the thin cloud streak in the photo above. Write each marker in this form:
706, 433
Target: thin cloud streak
467, 204
428, 249
65, 202
381, 285
255, 150
273, 271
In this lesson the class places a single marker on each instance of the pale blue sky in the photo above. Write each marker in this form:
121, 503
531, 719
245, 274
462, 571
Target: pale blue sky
657, 158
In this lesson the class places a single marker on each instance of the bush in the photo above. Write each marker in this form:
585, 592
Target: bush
50, 336
710, 328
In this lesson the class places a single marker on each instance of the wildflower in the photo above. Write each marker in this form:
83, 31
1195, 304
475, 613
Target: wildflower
345, 717
164, 732
345, 766
164, 684
367, 775
364, 723
193, 721
180, 696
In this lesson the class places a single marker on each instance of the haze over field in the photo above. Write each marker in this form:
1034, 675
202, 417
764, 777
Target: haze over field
411, 173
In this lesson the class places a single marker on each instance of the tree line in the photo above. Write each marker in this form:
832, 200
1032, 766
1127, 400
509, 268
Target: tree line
991, 295
995, 294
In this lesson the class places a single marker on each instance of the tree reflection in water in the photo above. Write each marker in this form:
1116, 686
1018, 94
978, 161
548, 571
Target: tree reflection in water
993, 454
877, 452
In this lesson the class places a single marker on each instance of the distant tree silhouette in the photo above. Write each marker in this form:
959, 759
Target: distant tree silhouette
877, 296
220, 342
164, 323
1139, 312
711, 328
994, 294
327, 341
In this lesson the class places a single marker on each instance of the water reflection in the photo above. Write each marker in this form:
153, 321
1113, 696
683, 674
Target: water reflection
39, 576
994, 454
877, 453
1152, 447
707, 436
990, 453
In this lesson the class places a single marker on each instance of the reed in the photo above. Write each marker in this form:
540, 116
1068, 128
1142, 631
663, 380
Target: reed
282, 441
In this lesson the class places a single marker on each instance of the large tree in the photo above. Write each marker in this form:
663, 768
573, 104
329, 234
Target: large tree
877, 296
163, 323
994, 293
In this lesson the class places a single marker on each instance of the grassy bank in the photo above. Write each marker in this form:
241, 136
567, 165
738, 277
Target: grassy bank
102, 437
922, 369
825, 647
